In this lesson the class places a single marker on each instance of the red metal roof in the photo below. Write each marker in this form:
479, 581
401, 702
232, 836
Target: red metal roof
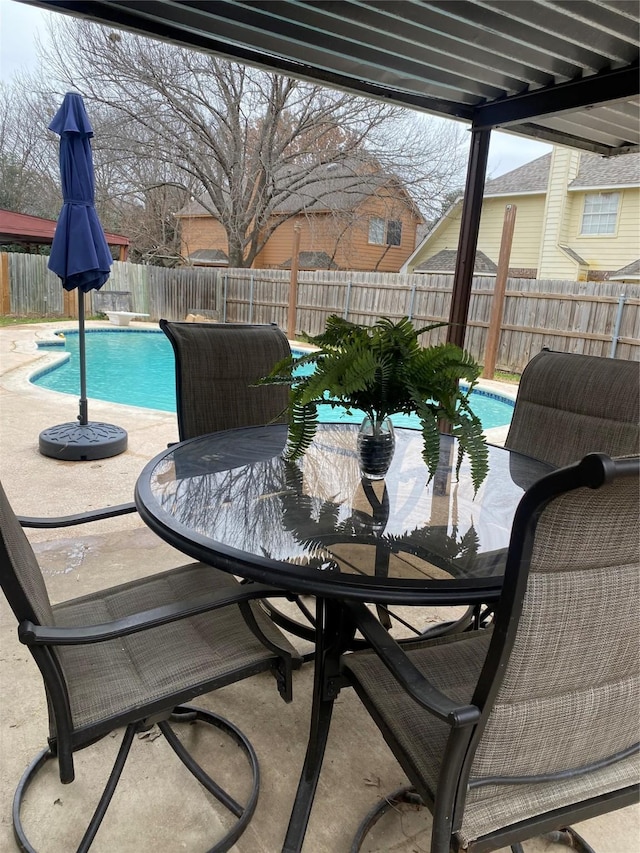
23, 228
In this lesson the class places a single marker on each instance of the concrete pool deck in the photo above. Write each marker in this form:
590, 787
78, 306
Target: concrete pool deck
358, 768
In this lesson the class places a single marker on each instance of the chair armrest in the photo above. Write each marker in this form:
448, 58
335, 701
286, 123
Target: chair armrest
38, 635
408, 675
78, 518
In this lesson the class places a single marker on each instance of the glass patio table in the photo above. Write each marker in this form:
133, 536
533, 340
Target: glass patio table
315, 526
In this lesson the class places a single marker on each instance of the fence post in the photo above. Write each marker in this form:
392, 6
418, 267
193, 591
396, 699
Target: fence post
70, 303
217, 293
616, 329
251, 284
293, 286
5, 291
225, 279
347, 301
412, 299
497, 306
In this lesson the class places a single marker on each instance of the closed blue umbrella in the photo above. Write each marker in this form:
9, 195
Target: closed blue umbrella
81, 257
79, 254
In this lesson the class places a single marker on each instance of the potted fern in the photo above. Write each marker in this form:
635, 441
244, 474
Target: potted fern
383, 370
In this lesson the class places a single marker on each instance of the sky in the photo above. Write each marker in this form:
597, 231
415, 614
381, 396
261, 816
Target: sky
21, 24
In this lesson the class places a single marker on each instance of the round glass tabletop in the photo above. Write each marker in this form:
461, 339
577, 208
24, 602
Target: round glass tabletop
316, 525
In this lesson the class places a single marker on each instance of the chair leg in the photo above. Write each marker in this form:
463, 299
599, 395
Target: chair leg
101, 808
406, 795
188, 714
27, 778
109, 789
409, 796
569, 837
181, 714
305, 630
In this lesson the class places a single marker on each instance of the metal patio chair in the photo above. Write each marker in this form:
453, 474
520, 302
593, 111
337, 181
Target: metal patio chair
216, 366
132, 655
521, 729
569, 405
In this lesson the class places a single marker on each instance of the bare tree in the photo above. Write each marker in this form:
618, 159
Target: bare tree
136, 194
29, 181
243, 142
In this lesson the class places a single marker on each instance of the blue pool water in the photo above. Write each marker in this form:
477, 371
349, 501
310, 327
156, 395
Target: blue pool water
136, 367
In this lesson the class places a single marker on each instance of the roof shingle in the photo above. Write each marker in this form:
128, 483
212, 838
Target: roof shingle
593, 171
533, 177
208, 257
631, 270
445, 261
328, 187
311, 261
598, 171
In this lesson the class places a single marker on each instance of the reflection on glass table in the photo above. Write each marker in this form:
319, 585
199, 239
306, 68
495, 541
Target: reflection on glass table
321, 528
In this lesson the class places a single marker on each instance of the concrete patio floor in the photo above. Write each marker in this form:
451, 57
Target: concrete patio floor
156, 806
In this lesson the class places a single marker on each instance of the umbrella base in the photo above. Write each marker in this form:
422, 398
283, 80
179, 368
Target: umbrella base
76, 442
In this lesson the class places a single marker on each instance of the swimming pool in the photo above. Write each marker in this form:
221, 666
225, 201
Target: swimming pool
136, 367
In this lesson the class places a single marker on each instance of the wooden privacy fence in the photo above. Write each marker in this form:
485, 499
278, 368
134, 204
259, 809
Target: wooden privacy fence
33, 290
597, 318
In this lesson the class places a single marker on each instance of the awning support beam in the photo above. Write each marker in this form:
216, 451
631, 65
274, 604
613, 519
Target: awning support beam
469, 227
608, 87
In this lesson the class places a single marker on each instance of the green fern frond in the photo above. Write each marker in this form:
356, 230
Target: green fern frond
430, 439
359, 372
281, 372
338, 331
336, 374
302, 429
472, 442
430, 328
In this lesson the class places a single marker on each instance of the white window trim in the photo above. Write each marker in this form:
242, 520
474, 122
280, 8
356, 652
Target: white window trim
616, 214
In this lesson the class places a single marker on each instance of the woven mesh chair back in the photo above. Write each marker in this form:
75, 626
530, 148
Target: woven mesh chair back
22, 581
217, 365
569, 405
571, 691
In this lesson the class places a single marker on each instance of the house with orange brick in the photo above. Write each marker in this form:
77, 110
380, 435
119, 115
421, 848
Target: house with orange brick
346, 219
577, 219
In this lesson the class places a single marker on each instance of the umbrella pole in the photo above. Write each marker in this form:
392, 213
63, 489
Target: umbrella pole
83, 417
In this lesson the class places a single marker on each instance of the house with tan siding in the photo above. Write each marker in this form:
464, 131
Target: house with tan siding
365, 222
577, 218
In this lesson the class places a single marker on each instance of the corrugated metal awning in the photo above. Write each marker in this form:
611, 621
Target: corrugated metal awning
564, 71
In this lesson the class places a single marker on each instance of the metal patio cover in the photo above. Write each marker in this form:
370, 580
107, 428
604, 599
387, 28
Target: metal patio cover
564, 71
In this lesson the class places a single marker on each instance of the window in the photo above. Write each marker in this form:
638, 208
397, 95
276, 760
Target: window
600, 213
381, 232
376, 230
394, 232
